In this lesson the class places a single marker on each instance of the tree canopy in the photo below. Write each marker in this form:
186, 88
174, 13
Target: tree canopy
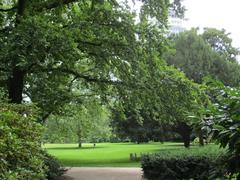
48, 49
220, 42
56, 53
200, 55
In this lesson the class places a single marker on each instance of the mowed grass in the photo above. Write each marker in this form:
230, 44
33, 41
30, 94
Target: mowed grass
117, 154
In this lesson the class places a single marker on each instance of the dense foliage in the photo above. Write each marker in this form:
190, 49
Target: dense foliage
221, 43
223, 120
207, 54
187, 166
57, 54
79, 123
62, 47
20, 143
170, 100
54, 168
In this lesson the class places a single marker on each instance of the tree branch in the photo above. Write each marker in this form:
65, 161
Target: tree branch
87, 78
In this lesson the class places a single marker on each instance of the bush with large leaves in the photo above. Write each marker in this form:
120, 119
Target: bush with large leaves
224, 121
20, 149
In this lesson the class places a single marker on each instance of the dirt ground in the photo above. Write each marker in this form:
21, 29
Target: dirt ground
98, 173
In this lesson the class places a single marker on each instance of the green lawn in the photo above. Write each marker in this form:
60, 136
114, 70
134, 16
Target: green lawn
115, 154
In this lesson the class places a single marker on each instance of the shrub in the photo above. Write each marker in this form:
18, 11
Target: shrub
54, 168
20, 148
185, 166
223, 122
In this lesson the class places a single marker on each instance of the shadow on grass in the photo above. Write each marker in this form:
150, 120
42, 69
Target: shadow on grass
180, 145
145, 143
164, 150
125, 143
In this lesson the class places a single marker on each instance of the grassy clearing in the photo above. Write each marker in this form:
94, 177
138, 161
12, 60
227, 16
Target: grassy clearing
117, 154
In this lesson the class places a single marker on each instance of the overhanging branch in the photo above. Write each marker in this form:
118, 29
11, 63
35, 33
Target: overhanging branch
90, 79
85, 77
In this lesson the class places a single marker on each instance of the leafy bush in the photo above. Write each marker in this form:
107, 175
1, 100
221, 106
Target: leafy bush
223, 121
20, 150
54, 168
183, 166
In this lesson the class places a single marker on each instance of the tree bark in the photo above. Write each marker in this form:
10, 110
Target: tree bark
15, 86
16, 79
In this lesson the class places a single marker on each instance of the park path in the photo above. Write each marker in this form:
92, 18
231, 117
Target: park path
103, 173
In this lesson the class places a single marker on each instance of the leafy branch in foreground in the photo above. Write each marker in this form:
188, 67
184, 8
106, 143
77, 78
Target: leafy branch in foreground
224, 120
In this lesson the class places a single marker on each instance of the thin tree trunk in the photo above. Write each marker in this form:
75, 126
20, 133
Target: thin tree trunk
79, 139
201, 140
79, 142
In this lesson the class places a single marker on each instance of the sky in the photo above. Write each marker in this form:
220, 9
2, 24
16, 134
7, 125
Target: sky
214, 13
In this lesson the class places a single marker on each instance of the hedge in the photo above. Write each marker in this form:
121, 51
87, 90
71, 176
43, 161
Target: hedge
188, 166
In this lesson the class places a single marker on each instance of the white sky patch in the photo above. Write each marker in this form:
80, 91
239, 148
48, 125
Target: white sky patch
214, 13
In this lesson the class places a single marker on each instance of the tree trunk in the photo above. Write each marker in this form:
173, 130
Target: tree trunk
15, 86
79, 143
186, 140
79, 139
16, 80
185, 131
21, 7
201, 140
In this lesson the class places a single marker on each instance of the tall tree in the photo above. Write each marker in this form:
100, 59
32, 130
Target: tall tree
170, 101
197, 58
79, 122
220, 42
192, 55
47, 46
